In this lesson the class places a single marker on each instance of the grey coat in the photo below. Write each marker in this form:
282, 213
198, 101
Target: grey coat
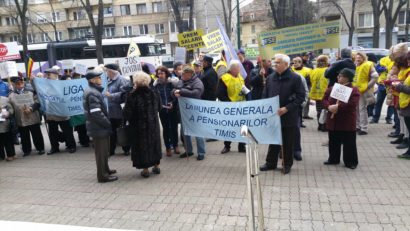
116, 89
192, 88
23, 119
98, 124
5, 104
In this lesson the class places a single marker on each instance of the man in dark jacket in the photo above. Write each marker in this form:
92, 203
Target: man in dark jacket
247, 65
209, 78
333, 71
258, 77
98, 125
190, 86
288, 86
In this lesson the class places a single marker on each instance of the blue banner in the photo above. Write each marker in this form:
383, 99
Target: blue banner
223, 120
61, 97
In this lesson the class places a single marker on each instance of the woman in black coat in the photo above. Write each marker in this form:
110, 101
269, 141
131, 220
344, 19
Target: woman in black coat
141, 111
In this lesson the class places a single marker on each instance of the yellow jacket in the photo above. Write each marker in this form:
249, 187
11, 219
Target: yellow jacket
404, 99
388, 64
305, 71
319, 83
234, 86
362, 76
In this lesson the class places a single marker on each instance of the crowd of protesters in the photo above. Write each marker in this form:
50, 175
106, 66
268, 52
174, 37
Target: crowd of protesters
148, 101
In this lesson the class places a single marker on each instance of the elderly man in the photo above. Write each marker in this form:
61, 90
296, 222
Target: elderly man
232, 88
209, 78
115, 89
246, 63
98, 125
257, 78
190, 86
288, 86
333, 71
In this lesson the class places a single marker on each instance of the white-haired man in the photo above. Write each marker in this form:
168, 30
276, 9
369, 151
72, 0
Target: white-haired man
288, 86
232, 88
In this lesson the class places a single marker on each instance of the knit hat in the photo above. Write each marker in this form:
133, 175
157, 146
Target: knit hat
349, 73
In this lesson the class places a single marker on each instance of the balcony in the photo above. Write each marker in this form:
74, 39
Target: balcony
86, 23
9, 30
77, 4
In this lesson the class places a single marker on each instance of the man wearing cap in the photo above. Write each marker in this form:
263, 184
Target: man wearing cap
209, 78
98, 125
247, 65
197, 68
115, 89
27, 117
190, 86
51, 73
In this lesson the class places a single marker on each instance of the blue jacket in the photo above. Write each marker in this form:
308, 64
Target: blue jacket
116, 88
164, 90
4, 89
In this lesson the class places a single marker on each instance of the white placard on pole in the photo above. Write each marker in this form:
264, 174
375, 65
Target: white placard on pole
341, 92
8, 69
180, 54
130, 65
67, 64
80, 69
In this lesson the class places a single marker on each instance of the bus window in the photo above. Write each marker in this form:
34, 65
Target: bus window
36, 55
115, 51
149, 49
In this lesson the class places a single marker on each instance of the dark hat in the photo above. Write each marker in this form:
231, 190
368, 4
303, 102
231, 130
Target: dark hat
52, 70
242, 51
92, 74
347, 72
16, 79
208, 58
112, 66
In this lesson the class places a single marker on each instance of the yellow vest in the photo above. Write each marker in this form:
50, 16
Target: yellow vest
305, 71
362, 77
220, 63
388, 64
404, 99
234, 86
319, 83
403, 74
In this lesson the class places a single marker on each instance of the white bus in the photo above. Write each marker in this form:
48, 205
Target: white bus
84, 52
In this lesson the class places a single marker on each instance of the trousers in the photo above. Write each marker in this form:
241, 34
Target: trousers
288, 141
36, 135
101, 149
348, 140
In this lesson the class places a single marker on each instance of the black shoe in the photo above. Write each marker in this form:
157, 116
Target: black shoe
156, 170
26, 154
404, 144
329, 163
225, 150
302, 125
211, 140
112, 171
298, 156
373, 122
185, 155
108, 179
394, 126
85, 145
52, 151
266, 167
351, 166
145, 174
307, 117
41, 152
72, 150
393, 135
286, 170
389, 122
404, 155
201, 157
398, 140
361, 133
242, 149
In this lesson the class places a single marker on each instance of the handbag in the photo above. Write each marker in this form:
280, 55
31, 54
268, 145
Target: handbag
369, 96
123, 135
323, 116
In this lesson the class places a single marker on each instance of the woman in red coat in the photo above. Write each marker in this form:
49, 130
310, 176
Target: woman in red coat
341, 123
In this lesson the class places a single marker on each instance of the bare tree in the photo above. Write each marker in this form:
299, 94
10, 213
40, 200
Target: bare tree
378, 9
97, 28
391, 12
227, 11
350, 23
52, 22
21, 6
292, 13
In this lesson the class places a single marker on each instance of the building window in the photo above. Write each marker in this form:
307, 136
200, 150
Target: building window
365, 20
159, 28
253, 29
41, 18
107, 11
44, 37
144, 29
174, 28
109, 32
15, 38
30, 38
157, 7
403, 17
11, 21
79, 15
141, 8
127, 30
55, 17
252, 16
125, 9
59, 36
81, 33
253, 41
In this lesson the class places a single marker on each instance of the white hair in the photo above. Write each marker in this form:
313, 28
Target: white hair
283, 58
234, 63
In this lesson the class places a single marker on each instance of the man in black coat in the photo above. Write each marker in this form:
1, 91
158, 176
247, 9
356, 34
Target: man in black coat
209, 78
346, 62
288, 86
258, 78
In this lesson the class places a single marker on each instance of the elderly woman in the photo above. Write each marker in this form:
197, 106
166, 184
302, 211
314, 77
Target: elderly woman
364, 79
6, 138
319, 86
141, 111
169, 110
341, 123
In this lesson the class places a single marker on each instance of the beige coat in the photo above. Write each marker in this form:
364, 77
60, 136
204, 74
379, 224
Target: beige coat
25, 99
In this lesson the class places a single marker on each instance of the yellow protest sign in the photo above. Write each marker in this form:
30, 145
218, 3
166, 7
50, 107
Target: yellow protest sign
299, 39
191, 40
133, 49
213, 41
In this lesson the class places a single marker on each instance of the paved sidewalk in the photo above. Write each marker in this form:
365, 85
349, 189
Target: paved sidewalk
211, 194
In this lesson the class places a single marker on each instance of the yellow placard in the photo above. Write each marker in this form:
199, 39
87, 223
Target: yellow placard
213, 41
191, 40
299, 39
